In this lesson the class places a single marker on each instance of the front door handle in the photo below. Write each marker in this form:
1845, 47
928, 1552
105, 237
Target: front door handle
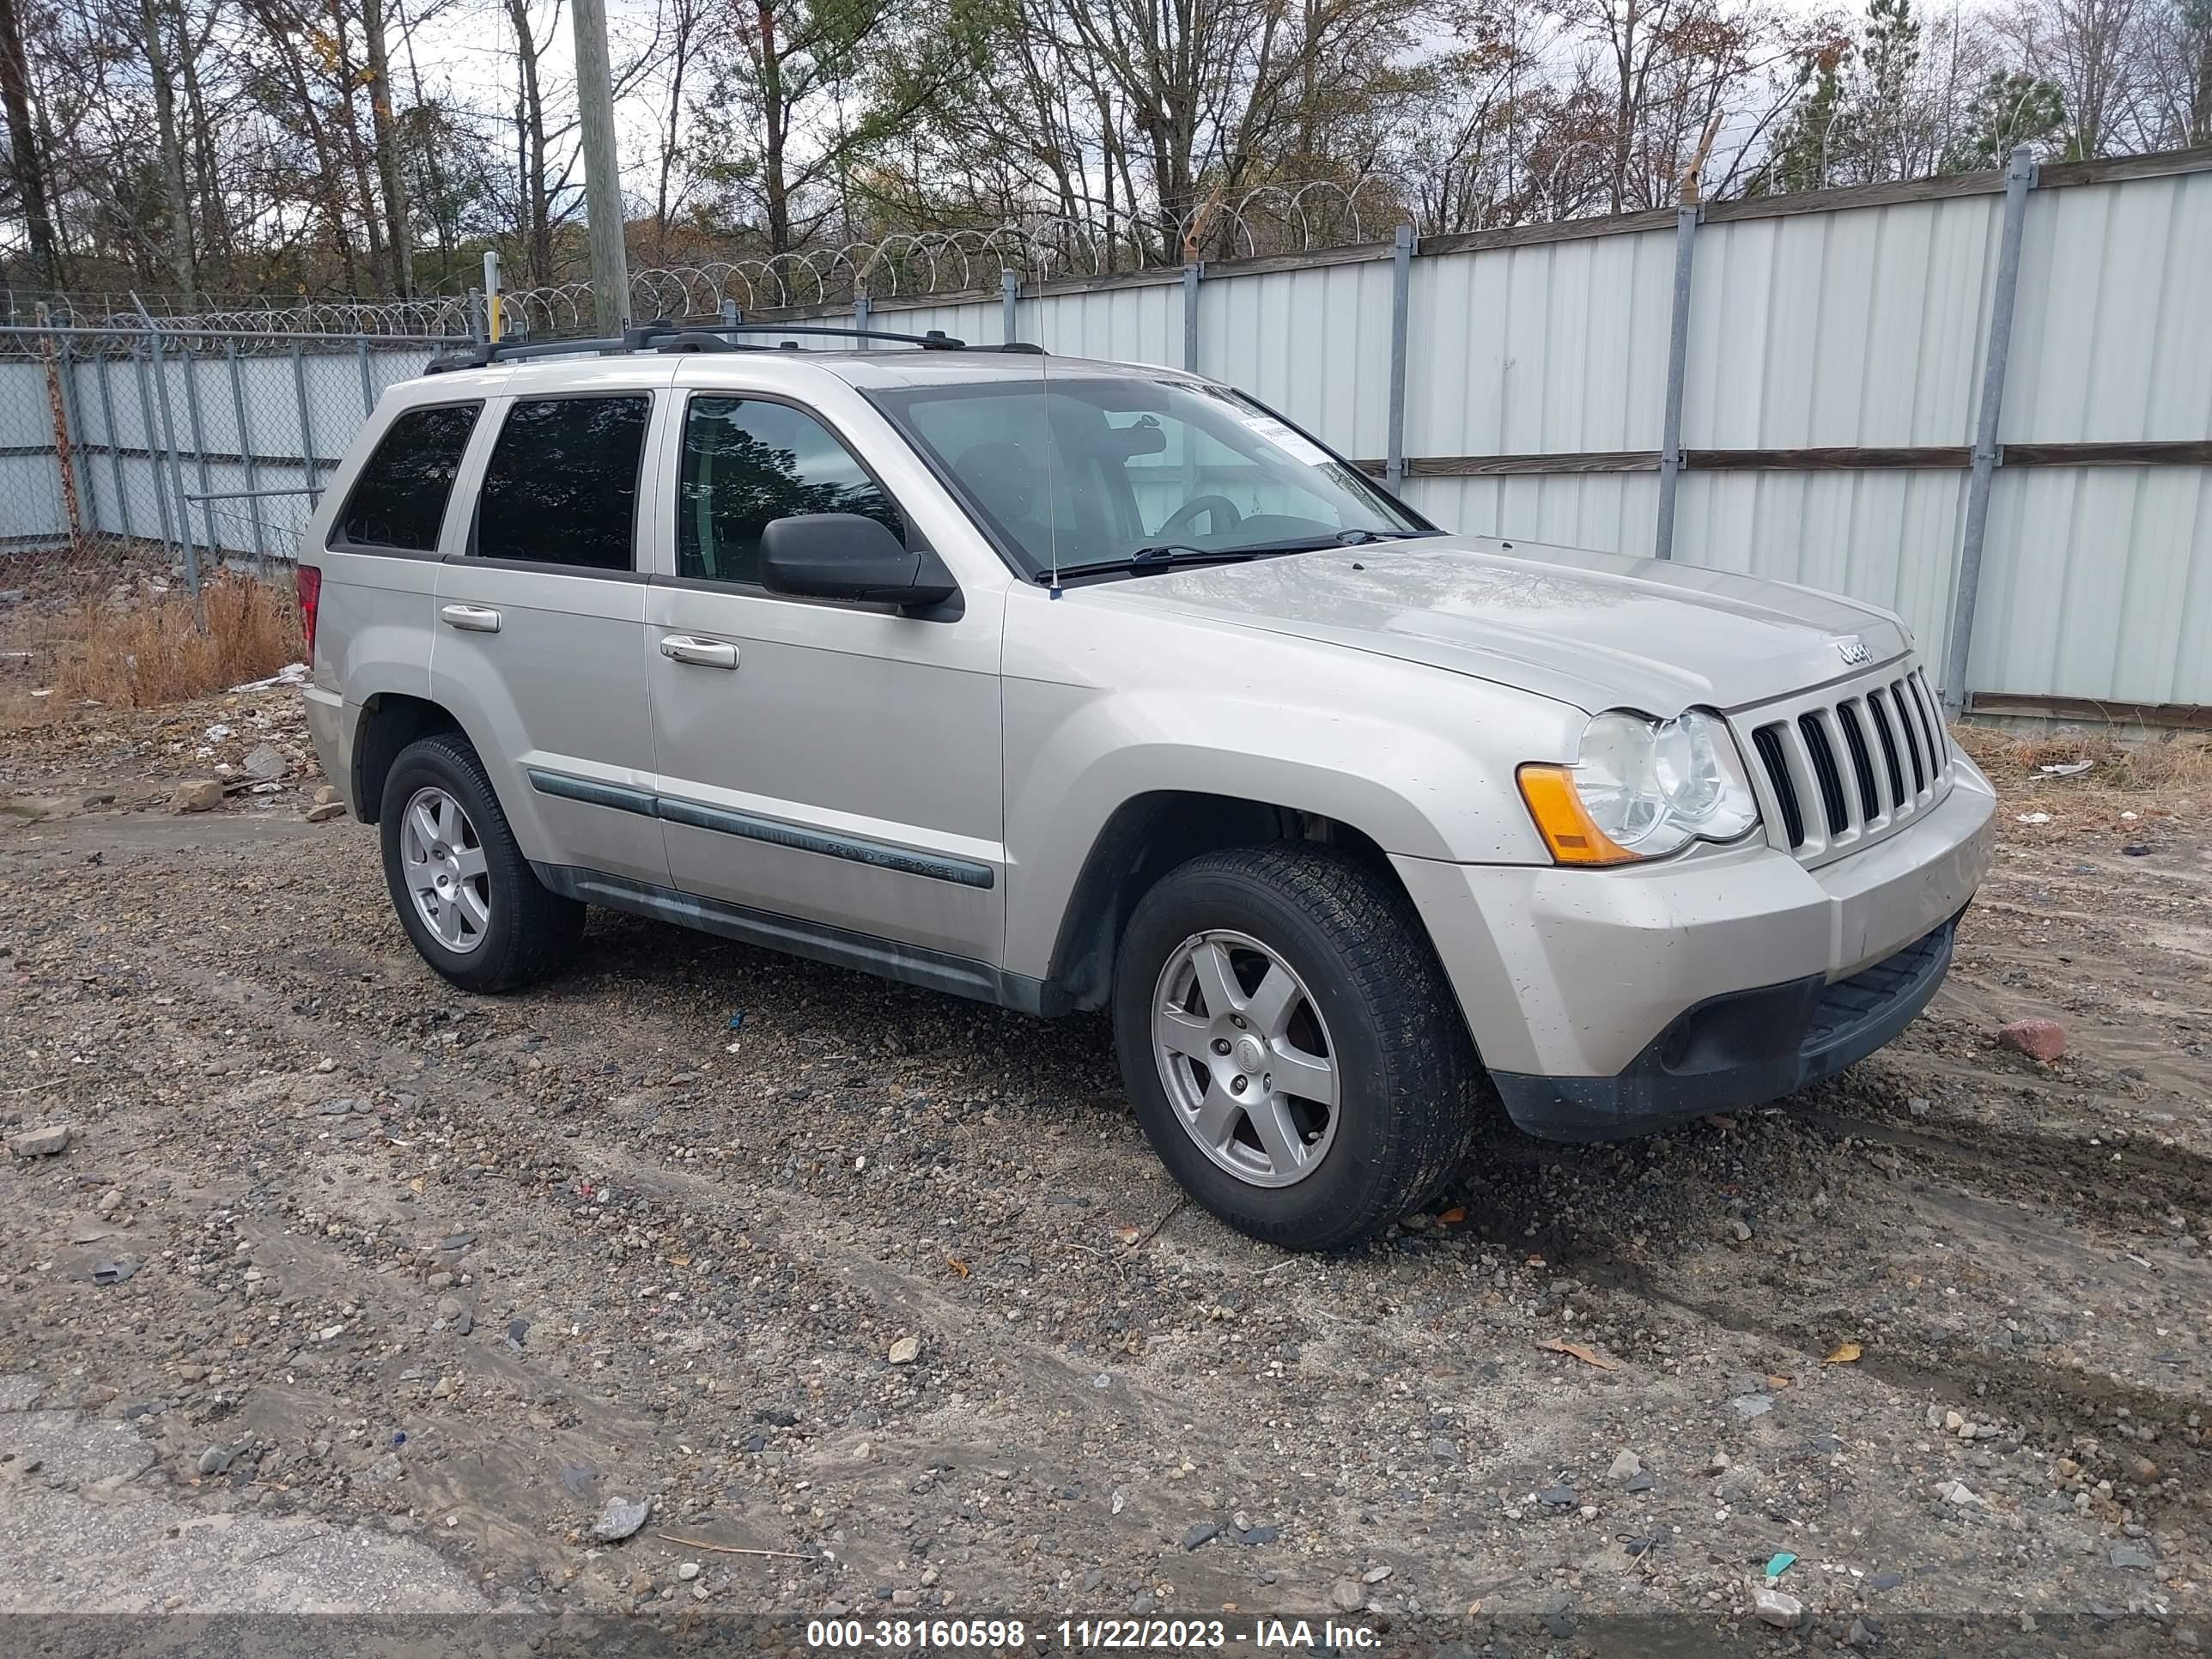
470, 618
701, 653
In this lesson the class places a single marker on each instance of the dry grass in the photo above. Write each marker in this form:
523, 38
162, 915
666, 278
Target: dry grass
2167, 776
154, 650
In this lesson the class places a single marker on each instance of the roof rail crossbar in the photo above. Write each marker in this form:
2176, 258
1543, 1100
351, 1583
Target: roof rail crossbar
505, 351
935, 340
669, 335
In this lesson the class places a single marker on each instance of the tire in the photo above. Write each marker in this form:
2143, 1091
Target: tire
1366, 987
513, 931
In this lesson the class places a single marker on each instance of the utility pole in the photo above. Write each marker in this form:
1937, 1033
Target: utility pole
603, 208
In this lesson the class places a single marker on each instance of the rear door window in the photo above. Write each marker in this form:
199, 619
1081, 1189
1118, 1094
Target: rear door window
561, 485
399, 500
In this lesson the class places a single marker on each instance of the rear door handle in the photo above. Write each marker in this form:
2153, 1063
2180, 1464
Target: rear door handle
701, 653
470, 618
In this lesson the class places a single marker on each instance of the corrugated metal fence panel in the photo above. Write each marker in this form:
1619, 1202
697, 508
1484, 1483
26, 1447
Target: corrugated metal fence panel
1314, 344
1847, 329
976, 321
2112, 339
30, 509
1890, 538
2098, 581
1140, 323
1520, 350
1614, 511
2098, 584
1860, 327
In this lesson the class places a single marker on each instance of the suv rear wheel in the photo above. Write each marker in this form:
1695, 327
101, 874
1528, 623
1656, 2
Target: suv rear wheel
1293, 1051
463, 891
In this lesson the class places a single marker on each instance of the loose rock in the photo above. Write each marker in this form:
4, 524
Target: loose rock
1778, 1608
906, 1351
196, 795
41, 1143
620, 1518
2038, 1039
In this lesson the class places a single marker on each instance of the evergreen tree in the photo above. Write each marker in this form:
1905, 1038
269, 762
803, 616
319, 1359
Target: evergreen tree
2011, 109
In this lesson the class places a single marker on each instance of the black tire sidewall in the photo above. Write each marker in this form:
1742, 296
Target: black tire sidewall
432, 761
1312, 1213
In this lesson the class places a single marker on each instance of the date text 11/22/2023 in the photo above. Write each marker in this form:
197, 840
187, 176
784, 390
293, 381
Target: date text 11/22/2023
1012, 1635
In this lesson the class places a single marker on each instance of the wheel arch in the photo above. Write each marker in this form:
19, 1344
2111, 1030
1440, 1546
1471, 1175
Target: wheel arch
389, 721
1141, 841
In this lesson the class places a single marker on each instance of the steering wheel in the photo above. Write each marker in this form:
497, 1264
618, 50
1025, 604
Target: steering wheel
1226, 516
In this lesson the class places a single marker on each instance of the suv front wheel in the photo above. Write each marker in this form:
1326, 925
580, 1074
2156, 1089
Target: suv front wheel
1292, 1049
465, 892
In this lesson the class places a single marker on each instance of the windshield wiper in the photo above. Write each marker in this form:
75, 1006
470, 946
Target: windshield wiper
1164, 556
1167, 555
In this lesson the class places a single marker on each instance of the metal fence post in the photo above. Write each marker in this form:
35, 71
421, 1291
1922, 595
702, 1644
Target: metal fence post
863, 308
1191, 273
245, 447
306, 421
153, 445
731, 314
1402, 300
199, 448
114, 446
183, 516
1010, 291
2019, 179
368, 387
1677, 357
479, 317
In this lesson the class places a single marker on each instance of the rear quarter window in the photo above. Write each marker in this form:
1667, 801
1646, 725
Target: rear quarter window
399, 500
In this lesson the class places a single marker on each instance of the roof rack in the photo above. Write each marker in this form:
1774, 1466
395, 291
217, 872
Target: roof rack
667, 334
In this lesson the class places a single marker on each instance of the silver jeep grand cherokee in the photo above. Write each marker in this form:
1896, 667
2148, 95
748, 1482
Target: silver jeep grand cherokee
1078, 685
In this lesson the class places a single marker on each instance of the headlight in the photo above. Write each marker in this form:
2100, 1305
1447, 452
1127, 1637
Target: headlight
1642, 788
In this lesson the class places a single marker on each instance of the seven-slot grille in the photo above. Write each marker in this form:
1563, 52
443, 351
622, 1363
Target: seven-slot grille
1840, 774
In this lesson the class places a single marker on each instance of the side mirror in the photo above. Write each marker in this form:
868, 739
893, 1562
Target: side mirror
847, 555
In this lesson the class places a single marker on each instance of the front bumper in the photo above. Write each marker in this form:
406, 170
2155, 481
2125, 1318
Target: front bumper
1738, 1049
1606, 1003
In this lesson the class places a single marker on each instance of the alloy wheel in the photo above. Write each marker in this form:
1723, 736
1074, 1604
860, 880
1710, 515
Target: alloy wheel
447, 873
1246, 1058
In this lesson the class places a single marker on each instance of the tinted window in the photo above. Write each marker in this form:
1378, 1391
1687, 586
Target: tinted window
399, 500
562, 488
746, 462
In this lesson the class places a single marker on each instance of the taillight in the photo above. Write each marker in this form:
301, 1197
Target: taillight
309, 581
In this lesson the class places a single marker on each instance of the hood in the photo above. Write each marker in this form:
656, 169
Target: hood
1599, 630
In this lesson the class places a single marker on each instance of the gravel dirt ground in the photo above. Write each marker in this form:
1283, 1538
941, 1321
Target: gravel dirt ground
872, 1301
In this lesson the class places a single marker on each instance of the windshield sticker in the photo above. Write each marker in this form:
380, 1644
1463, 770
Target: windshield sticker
1283, 438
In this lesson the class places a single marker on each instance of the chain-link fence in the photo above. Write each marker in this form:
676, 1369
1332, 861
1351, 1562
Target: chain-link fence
204, 447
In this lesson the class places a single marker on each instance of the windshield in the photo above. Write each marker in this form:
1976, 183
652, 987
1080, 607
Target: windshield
1085, 471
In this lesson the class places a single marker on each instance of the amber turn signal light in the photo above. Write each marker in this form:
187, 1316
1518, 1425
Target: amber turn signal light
1562, 819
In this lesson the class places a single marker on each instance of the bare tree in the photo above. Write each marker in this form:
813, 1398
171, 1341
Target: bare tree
2090, 50
27, 160
183, 262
